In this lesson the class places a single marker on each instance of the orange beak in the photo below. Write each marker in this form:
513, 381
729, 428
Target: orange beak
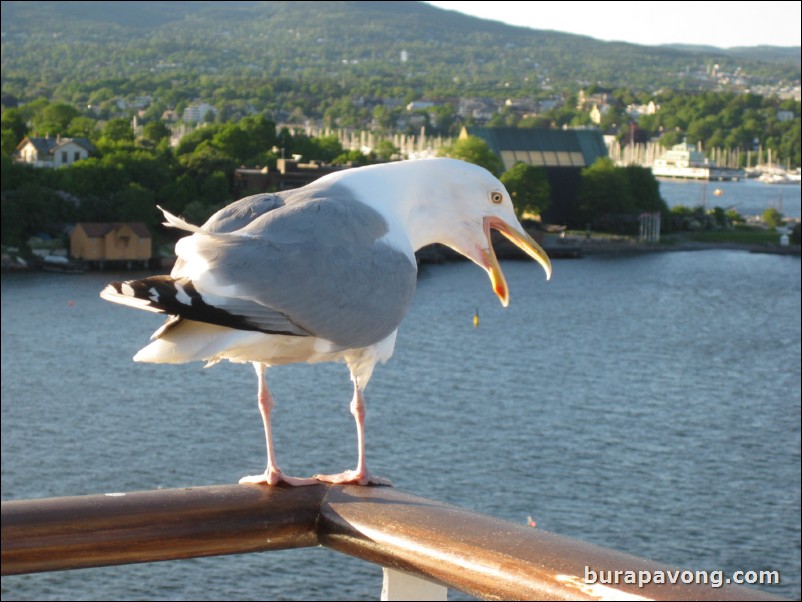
523, 241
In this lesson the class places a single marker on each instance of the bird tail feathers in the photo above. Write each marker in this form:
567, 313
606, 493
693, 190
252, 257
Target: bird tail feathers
188, 341
151, 294
177, 222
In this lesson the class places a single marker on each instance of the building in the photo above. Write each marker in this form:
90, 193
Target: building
478, 109
288, 174
102, 243
597, 113
564, 153
601, 97
538, 146
636, 111
52, 152
197, 113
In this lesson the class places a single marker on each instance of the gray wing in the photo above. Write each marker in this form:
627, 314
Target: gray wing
235, 216
242, 212
316, 263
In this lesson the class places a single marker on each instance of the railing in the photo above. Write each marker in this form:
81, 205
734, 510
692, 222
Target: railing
477, 554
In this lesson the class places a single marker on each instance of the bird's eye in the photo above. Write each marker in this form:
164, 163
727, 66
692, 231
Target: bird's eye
496, 198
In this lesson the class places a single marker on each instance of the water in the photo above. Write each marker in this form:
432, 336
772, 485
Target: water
748, 197
648, 403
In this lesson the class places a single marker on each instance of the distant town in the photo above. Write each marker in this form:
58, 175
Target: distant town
137, 109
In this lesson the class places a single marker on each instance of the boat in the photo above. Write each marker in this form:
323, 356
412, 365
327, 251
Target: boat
62, 265
685, 161
778, 177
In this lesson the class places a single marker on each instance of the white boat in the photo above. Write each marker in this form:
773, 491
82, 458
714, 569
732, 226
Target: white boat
779, 177
686, 162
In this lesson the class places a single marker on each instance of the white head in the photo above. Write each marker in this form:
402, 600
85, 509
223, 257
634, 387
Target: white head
450, 202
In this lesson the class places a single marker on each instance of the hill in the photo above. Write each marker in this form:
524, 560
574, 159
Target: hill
69, 49
768, 54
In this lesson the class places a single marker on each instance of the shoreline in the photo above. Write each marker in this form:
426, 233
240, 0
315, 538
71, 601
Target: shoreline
555, 248
576, 249
602, 247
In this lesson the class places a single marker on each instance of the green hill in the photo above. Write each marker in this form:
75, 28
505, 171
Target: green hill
55, 48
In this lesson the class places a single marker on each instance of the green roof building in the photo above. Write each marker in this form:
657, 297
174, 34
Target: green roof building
564, 153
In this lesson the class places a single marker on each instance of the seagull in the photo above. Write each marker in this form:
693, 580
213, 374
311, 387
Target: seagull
322, 273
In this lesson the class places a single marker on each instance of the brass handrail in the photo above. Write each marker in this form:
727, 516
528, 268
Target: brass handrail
478, 554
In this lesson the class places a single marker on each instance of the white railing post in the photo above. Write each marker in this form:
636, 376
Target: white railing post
401, 586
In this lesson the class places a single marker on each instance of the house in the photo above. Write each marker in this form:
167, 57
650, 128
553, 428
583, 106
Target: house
101, 243
601, 97
521, 106
564, 153
52, 152
479, 109
636, 111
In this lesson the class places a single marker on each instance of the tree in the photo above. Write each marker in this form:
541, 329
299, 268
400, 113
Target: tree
354, 157
384, 117
324, 149
385, 151
151, 171
9, 142
443, 118
261, 135
155, 131
214, 190
135, 203
232, 140
118, 130
193, 140
13, 122
610, 198
645, 189
528, 187
54, 119
82, 127
30, 209
535, 121
772, 217
475, 150
604, 196
178, 193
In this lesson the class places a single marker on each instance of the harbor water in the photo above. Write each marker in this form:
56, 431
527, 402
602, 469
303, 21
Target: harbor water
748, 197
646, 403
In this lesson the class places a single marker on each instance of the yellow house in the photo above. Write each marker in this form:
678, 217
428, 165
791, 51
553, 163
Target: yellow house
102, 242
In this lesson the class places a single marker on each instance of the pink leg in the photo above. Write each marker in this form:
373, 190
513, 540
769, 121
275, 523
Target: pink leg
360, 476
272, 474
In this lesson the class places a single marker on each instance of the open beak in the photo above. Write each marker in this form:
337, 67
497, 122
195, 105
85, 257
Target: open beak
521, 240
